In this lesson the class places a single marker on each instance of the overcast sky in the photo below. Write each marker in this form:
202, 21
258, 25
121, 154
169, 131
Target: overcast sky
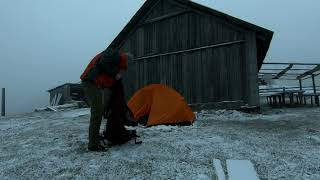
45, 43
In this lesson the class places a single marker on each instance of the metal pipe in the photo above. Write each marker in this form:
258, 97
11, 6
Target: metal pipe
3, 106
190, 50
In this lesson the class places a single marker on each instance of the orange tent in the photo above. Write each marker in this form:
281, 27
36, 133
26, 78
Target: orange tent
162, 105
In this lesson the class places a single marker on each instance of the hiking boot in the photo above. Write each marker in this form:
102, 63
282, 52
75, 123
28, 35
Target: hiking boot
118, 138
97, 148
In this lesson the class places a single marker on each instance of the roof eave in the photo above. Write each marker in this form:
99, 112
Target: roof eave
263, 34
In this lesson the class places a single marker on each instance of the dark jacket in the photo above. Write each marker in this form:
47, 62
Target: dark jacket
104, 67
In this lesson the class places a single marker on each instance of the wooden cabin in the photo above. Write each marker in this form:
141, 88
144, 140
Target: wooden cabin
211, 58
66, 93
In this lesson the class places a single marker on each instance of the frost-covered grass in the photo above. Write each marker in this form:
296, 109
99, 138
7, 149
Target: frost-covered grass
281, 143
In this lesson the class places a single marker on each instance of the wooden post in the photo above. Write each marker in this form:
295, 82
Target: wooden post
300, 84
284, 95
314, 84
316, 98
300, 94
3, 106
275, 100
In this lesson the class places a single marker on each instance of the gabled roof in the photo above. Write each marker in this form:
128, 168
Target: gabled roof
264, 36
66, 84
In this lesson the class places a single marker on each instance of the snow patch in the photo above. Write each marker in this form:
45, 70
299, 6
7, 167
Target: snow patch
163, 128
314, 138
76, 113
241, 169
218, 169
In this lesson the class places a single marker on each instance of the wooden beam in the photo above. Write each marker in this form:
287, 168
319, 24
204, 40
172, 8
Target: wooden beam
262, 73
308, 77
308, 73
294, 79
287, 88
283, 72
293, 69
52, 108
292, 63
167, 16
191, 50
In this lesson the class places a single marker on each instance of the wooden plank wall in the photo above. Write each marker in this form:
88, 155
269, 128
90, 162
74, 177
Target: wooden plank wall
210, 75
250, 72
64, 91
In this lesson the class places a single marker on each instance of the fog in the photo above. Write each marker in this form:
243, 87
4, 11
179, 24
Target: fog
45, 43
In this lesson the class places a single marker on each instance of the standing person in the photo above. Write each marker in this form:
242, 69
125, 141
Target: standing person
102, 73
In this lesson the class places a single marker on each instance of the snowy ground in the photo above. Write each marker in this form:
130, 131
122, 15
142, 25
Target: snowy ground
281, 143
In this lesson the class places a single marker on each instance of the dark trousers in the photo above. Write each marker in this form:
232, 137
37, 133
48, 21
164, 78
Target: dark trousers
97, 98
101, 101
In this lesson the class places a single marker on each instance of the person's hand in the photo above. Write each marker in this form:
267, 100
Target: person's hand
118, 76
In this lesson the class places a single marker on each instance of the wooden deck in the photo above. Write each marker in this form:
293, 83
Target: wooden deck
294, 96
290, 71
